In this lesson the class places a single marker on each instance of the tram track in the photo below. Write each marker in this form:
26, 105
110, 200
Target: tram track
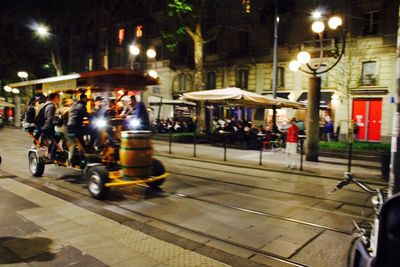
272, 256
164, 192
50, 187
291, 173
258, 168
272, 190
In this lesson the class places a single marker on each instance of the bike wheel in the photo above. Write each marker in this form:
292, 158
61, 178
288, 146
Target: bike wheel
358, 254
275, 147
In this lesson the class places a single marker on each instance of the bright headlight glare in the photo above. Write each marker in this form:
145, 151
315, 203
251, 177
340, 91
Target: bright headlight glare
100, 123
134, 123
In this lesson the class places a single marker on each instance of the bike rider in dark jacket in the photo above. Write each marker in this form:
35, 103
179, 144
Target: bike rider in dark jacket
48, 128
75, 119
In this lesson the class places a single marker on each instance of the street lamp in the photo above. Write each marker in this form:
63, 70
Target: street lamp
314, 85
151, 54
22, 75
41, 30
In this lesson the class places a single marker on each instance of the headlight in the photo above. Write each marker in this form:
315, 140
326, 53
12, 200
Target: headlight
134, 123
100, 123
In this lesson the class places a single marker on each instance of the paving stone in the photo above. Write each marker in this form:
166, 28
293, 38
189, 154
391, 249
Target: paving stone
165, 253
165, 227
194, 259
7, 256
110, 254
281, 247
70, 233
150, 244
14, 201
235, 250
129, 239
26, 248
10, 230
85, 241
41, 216
268, 261
193, 236
61, 226
139, 260
67, 256
319, 251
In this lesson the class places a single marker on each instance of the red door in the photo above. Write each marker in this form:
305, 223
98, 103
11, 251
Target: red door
367, 113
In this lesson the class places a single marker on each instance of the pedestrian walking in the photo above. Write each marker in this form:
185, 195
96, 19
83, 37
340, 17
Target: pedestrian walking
291, 144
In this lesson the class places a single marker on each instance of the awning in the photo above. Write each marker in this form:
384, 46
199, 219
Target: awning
6, 104
326, 98
278, 94
158, 101
237, 97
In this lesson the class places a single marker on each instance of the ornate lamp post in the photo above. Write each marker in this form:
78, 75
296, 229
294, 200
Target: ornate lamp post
151, 55
314, 84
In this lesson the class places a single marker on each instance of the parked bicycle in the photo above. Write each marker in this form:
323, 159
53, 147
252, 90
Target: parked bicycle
377, 244
277, 142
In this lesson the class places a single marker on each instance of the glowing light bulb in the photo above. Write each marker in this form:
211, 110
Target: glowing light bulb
318, 26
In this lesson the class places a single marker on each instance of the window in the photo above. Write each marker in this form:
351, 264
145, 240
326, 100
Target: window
242, 80
212, 47
368, 73
104, 61
371, 23
90, 63
211, 80
246, 6
244, 40
139, 31
121, 35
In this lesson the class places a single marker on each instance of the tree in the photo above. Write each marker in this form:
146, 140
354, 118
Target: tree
193, 19
347, 72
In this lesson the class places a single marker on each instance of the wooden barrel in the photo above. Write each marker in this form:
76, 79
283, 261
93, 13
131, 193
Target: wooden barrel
136, 154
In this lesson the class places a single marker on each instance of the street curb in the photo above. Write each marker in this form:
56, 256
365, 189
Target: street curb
286, 171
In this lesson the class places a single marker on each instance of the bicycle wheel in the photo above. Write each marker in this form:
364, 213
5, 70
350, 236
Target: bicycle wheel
358, 254
275, 147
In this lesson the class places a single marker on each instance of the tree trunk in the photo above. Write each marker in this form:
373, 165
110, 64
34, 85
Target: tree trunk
198, 74
56, 61
394, 180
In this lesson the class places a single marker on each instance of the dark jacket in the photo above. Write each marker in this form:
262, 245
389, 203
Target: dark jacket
30, 114
140, 113
49, 112
76, 114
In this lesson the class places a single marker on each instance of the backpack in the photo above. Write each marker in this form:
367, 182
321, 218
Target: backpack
40, 119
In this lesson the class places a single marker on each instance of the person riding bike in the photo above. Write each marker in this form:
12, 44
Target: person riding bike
75, 122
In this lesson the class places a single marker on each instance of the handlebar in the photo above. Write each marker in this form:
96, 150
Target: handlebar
348, 178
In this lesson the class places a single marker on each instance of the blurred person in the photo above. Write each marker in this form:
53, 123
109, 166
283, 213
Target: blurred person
29, 117
291, 144
137, 111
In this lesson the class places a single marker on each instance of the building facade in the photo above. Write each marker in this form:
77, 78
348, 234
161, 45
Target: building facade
361, 87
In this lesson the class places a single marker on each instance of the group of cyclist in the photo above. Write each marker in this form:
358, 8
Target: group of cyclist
49, 122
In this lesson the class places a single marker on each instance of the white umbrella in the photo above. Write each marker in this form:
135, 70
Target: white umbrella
236, 96
6, 104
156, 100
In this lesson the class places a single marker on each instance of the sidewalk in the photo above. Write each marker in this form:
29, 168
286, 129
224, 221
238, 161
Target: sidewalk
38, 229
275, 161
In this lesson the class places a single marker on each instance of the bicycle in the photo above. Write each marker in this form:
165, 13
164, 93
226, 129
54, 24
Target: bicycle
376, 245
277, 142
